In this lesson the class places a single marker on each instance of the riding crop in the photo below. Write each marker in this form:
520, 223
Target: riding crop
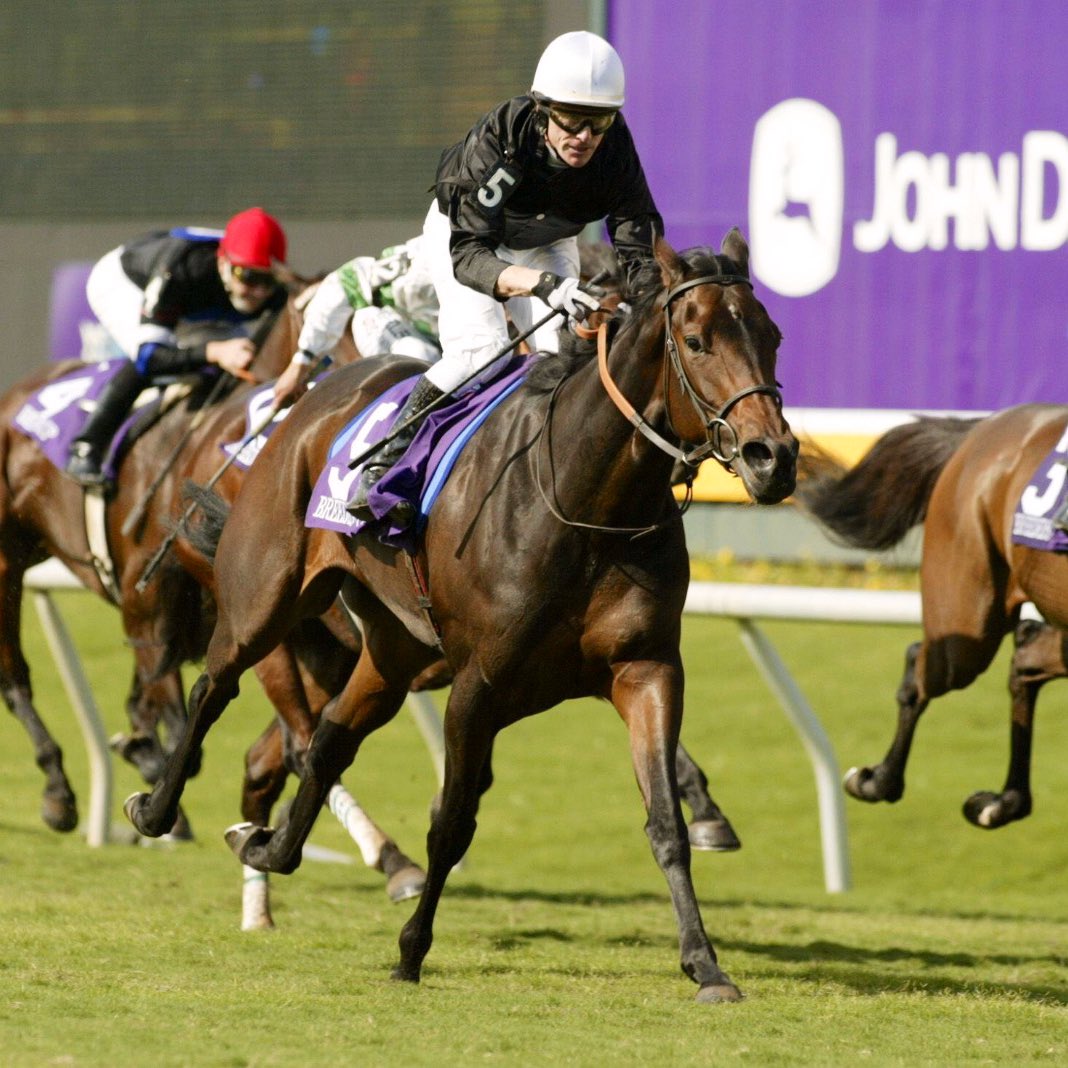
254, 433
445, 398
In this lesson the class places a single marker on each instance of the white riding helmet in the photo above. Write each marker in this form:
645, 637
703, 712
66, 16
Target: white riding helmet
582, 69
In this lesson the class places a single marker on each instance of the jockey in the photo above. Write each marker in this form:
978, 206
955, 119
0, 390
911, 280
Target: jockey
393, 305
144, 291
510, 200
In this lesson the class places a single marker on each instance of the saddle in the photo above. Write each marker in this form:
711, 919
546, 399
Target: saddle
419, 475
53, 416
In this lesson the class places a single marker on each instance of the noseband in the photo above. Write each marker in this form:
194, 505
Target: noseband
717, 424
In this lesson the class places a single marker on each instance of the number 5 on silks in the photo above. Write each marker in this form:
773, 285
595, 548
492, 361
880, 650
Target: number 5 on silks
498, 186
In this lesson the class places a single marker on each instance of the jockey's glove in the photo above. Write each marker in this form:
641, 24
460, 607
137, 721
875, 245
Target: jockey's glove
567, 295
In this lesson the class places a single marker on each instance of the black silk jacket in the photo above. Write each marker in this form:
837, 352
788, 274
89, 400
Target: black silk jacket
498, 187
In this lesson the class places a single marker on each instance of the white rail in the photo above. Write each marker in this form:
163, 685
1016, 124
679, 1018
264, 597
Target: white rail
745, 603
748, 603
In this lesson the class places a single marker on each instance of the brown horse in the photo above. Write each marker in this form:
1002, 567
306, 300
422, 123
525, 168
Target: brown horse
556, 561
167, 623
42, 513
963, 479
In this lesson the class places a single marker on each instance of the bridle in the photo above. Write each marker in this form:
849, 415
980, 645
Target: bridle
714, 426
714, 419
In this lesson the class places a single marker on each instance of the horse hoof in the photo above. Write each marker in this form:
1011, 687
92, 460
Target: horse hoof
858, 783
404, 974
60, 814
405, 884
132, 807
716, 993
716, 836
990, 811
242, 837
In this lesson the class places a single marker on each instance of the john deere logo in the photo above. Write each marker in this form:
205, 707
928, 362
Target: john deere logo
796, 197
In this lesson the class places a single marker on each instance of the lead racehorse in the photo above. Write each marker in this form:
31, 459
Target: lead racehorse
556, 562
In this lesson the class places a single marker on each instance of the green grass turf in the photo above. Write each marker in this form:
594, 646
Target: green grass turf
556, 944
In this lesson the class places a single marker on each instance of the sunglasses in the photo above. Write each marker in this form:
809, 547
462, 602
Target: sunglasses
574, 122
253, 276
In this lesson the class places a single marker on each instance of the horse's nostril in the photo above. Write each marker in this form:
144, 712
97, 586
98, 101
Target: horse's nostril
757, 456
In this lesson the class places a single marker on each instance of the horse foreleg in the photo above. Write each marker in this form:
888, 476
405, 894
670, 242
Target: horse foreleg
648, 695
709, 829
886, 781
1038, 657
404, 878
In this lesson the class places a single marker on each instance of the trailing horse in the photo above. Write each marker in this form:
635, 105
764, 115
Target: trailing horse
556, 564
964, 480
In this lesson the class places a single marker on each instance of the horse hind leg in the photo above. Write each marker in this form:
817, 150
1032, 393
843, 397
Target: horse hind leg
368, 701
154, 814
1038, 657
709, 828
886, 780
59, 806
298, 677
470, 732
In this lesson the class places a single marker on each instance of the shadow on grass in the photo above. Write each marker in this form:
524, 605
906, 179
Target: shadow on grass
819, 962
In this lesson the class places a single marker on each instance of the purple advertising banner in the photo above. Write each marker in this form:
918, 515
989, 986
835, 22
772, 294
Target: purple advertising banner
901, 173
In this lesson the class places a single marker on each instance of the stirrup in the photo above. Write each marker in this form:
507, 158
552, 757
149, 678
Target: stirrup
83, 465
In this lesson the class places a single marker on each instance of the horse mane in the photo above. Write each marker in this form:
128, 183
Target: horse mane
641, 292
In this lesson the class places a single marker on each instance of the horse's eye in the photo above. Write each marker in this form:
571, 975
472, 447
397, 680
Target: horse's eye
693, 343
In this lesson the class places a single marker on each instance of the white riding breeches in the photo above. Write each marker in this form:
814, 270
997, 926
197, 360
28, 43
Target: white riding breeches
472, 327
116, 302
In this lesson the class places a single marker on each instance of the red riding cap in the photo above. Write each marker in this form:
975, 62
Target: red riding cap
254, 239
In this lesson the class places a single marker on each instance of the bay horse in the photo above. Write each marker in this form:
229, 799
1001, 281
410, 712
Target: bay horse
963, 479
42, 513
168, 623
556, 563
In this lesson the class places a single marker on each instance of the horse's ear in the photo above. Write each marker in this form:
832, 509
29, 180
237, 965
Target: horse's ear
736, 249
672, 268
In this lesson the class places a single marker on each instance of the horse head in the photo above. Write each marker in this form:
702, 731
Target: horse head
719, 391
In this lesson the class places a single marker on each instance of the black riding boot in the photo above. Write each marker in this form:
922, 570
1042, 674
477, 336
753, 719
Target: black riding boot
88, 448
423, 394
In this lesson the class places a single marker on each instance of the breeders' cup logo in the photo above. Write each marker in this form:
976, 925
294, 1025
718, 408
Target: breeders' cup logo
796, 196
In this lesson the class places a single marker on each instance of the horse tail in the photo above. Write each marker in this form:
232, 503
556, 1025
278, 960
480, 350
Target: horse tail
203, 534
876, 503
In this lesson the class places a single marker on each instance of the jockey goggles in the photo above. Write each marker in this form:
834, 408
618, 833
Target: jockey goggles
253, 276
574, 122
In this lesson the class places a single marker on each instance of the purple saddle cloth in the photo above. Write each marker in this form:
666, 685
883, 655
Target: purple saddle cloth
1041, 500
54, 415
420, 473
